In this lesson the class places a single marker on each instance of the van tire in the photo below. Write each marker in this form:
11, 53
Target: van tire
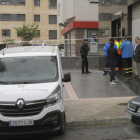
63, 129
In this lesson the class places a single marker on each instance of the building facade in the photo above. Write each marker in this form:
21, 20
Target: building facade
80, 20
14, 13
117, 18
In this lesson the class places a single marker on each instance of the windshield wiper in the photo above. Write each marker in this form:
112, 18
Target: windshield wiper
25, 82
2, 82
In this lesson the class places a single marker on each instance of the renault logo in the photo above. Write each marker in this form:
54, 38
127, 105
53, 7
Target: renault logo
20, 104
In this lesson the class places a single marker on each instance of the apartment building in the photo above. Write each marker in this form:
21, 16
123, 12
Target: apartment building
14, 13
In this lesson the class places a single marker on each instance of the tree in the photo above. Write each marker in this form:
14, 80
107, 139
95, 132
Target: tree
9, 41
27, 33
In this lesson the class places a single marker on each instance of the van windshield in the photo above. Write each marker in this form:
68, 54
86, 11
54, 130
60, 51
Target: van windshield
28, 69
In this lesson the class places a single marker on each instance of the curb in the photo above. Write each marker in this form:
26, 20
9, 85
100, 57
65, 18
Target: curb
98, 122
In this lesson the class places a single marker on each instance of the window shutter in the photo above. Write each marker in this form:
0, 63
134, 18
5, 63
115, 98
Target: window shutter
52, 34
36, 17
13, 2
6, 17
52, 19
13, 17
21, 17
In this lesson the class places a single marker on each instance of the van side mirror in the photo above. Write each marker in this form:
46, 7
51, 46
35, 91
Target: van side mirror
67, 77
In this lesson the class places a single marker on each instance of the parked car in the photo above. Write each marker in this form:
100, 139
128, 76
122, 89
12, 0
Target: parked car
133, 110
31, 92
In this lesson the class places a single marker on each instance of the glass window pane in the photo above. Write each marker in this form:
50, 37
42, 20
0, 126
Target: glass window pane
36, 2
6, 33
27, 69
52, 4
38, 33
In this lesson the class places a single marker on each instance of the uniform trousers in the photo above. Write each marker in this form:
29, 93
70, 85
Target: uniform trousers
128, 66
84, 63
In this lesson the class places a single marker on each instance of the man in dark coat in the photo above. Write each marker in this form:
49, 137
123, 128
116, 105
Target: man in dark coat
112, 60
137, 56
84, 51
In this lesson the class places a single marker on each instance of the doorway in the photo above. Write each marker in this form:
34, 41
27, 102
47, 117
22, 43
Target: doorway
116, 28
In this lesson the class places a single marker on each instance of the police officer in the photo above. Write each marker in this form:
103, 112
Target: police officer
126, 48
84, 51
106, 69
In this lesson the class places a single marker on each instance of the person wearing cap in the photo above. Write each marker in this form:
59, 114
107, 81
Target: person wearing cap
84, 52
126, 49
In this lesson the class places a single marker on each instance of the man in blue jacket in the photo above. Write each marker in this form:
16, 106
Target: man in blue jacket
106, 69
126, 48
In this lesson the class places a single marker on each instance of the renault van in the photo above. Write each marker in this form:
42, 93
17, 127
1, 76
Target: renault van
31, 91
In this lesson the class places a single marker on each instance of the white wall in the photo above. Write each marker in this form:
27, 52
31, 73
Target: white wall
135, 21
82, 10
135, 29
66, 10
86, 11
60, 11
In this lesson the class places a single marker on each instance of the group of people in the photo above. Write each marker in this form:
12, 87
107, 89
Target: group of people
117, 52
118, 55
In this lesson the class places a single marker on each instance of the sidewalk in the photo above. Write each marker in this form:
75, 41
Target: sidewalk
91, 98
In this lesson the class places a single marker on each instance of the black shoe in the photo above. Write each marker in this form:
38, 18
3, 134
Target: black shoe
88, 72
84, 73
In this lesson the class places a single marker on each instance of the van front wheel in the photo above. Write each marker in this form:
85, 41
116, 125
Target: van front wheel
63, 129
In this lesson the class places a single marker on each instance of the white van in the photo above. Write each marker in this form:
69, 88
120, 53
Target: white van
31, 91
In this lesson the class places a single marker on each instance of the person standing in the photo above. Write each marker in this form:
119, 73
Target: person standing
126, 48
135, 63
84, 51
137, 57
112, 60
117, 43
106, 69
118, 47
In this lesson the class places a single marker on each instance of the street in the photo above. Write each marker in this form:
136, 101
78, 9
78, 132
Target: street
118, 132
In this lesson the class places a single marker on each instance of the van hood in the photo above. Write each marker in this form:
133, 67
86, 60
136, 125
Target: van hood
28, 92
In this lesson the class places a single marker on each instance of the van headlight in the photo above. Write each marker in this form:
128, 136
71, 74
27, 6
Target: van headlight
131, 106
138, 110
54, 98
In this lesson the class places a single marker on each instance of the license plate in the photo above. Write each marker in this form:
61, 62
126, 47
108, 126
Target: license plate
21, 123
129, 116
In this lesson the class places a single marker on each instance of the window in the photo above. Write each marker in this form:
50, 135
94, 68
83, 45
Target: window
6, 17
38, 33
36, 17
36, 2
5, 2
21, 2
43, 69
52, 34
107, 2
94, 1
5, 33
52, 19
52, 4
21, 17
